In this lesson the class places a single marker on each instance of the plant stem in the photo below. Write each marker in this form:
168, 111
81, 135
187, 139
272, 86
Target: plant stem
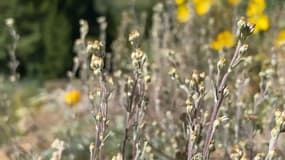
272, 144
222, 86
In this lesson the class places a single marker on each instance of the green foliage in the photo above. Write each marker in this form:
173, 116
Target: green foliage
47, 30
45, 37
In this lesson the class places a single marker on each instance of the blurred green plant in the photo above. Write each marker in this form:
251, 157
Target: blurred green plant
48, 28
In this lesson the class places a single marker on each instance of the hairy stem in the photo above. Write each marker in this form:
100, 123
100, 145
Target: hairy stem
218, 103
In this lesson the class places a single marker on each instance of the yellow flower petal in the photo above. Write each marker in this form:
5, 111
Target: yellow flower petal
183, 13
227, 38
216, 45
72, 97
261, 22
179, 2
202, 6
224, 39
255, 7
280, 38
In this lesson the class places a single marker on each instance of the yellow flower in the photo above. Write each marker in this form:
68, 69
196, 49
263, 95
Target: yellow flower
255, 7
183, 13
179, 2
280, 38
261, 22
202, 6
255, 15
72, 97
224, 39
233, 2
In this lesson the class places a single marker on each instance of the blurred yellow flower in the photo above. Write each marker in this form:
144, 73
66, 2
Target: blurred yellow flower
234, 2
72, 97
261, 22
183, 14
255, 15
255, 7
179, 2
280, 38
224, 39
202, 6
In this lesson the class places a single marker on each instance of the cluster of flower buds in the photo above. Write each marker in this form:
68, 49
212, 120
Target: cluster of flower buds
280, 120
189, 104
220, 120
259, 156
197, 81
134, 37
97, 62
58, 146
138, 58
117, 157
129, 86
94, 93
245, 28
173, 73
95, 47
236, 153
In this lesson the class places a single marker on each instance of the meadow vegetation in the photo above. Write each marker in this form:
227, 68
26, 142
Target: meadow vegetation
195, 80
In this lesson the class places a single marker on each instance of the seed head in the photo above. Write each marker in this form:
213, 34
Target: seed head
133, 37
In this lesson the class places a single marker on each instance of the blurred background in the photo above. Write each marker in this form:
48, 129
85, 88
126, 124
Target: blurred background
48, 29
45, 103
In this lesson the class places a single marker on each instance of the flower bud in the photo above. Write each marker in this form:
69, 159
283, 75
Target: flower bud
9, 22
259, 156
95, 47
221, 63
147, 79
133, 37
195, 76
97, 63
173, 74
226, 92
91, 147
245, 29
243, 49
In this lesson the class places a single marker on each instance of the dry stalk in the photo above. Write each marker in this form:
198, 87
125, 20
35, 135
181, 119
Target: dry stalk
245, 29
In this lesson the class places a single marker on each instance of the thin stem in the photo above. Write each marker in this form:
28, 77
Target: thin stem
125, 141
272, 144
222, 86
